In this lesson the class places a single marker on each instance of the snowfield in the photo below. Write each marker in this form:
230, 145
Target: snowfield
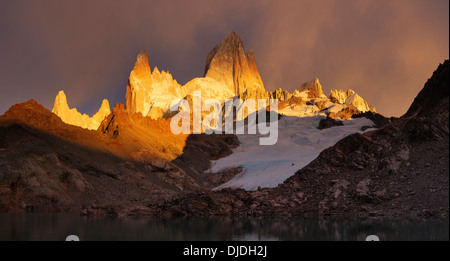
299, 143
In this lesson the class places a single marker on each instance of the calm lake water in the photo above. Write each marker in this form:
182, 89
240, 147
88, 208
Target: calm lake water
57, 227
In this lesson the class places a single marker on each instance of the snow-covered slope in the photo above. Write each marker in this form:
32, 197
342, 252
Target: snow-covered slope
299, 142
299, 110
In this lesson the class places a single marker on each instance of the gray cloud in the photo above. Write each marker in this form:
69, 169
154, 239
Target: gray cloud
384, 50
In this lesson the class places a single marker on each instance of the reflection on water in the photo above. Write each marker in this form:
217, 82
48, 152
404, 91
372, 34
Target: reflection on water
58, 226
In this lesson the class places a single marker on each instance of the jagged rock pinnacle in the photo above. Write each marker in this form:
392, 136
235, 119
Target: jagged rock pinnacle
143, 86
73, 117
314, 87
139, 84
228, 63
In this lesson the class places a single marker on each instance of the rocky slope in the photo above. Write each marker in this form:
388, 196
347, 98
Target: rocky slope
73, 117
140, 138
49, 166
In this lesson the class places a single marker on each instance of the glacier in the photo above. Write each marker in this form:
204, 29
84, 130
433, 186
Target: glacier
299, 143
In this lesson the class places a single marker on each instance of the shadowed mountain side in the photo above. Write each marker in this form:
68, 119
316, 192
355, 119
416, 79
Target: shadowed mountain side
200, 149
148, 140
378, 120
434, 96
41, 172
49, 166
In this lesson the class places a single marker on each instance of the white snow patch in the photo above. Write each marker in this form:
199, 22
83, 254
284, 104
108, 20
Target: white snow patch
299, 143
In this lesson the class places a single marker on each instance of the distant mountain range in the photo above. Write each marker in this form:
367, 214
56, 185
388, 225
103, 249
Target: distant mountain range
229, 72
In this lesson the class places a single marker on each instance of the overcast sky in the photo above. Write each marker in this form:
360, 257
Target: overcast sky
385, 50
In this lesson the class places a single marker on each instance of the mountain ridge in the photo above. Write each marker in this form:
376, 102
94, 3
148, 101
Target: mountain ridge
230, 72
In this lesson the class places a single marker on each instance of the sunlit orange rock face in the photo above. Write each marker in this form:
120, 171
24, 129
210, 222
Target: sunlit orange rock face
144, 85
139, 83
141, 138
73, 117
125, 135
228, 63
229, 72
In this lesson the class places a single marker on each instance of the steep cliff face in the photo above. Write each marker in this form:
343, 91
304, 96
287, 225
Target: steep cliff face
147, 91
229, 63
151, 93
139, 84
73, 117
102, 112
229, 72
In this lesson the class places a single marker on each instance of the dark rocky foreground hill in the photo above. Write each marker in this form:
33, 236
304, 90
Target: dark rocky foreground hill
401, 169
49, 166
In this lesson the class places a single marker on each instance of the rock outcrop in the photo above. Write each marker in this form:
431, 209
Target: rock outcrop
310, 100
139, 85
281, 95
230, 64
229, 72
329, 122
73, 117
350, 97
147, 90
434, 96
142, 138
314, 89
